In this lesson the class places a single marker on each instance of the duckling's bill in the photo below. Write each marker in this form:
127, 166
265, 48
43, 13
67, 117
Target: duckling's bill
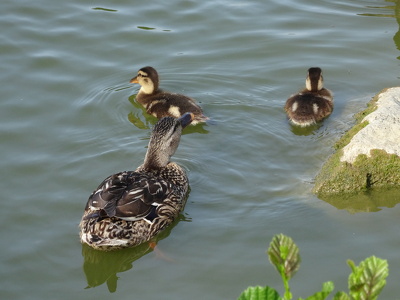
134, 80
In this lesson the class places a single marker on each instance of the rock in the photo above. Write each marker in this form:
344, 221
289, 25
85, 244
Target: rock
383, 130
368, 155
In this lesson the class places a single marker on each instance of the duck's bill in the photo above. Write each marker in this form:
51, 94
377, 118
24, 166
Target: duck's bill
134, 80
186, 119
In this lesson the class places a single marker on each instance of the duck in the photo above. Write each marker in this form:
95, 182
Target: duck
159, 103
312, 104
130, 208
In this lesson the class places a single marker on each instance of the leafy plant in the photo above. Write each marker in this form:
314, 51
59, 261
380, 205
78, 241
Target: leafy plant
366, 281
284, 254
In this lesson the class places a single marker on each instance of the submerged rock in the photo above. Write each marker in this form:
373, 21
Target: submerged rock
368, 155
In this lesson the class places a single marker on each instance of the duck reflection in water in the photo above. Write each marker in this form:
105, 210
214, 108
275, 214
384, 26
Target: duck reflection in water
102, 267
142, 120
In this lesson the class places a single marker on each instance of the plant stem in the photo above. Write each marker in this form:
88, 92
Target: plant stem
288, 294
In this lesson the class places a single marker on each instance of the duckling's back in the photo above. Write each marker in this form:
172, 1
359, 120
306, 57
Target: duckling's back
307, 108
164, 104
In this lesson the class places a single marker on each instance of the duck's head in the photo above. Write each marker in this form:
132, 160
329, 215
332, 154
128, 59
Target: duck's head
314, 80
147, 77
164, 140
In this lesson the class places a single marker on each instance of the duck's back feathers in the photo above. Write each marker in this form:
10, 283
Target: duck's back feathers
130, 208
305, 109
164, 104
128, 196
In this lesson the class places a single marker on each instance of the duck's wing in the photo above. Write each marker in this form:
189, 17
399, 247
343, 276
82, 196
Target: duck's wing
128, 195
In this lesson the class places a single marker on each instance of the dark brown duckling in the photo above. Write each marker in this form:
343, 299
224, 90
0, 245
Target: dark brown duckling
162, 104
312, 104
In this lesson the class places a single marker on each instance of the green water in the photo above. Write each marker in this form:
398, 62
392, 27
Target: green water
68, 120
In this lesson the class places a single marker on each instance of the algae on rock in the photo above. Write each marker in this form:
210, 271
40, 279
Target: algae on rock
369, 167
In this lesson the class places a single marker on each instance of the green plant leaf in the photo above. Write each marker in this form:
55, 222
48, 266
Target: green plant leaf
284, 254
259, 293
341, 296
327, 288
368, 279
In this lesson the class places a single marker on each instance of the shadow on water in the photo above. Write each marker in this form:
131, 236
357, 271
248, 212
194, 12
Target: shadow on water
103, 266
142, 120
139, 117
105, 9
309, 130
369, 201
396, 37
152, 28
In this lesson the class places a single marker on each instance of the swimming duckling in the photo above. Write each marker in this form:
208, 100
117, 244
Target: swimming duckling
131, 207
311, 104
161, 104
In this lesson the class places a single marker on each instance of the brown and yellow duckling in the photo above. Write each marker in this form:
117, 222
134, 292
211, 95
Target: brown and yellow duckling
312, 104
131, 207
162, 104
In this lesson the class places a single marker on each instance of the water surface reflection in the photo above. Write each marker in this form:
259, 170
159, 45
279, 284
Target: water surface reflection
368, 201
103, 266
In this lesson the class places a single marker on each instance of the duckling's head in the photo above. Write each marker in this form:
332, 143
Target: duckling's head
314, 80
147, 77
164, 140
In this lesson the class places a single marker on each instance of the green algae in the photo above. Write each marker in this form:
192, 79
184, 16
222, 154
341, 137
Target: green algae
379, 170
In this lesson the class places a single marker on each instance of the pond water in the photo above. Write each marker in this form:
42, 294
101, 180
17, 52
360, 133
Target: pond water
69, 119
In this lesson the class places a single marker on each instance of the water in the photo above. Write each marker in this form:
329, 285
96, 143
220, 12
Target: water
68, 120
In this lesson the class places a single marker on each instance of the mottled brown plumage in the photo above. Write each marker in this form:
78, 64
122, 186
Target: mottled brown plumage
131, 207
162, 104
312, 104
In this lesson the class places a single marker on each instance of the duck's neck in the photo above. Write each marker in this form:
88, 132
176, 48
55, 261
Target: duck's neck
147, 88
314, 85
155, 159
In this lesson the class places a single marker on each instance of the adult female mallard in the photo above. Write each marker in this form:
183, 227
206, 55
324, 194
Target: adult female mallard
161, 104
311, 104
131, 207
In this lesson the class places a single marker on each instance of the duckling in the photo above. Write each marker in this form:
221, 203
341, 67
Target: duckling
131, 207
311, 104
161, 104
